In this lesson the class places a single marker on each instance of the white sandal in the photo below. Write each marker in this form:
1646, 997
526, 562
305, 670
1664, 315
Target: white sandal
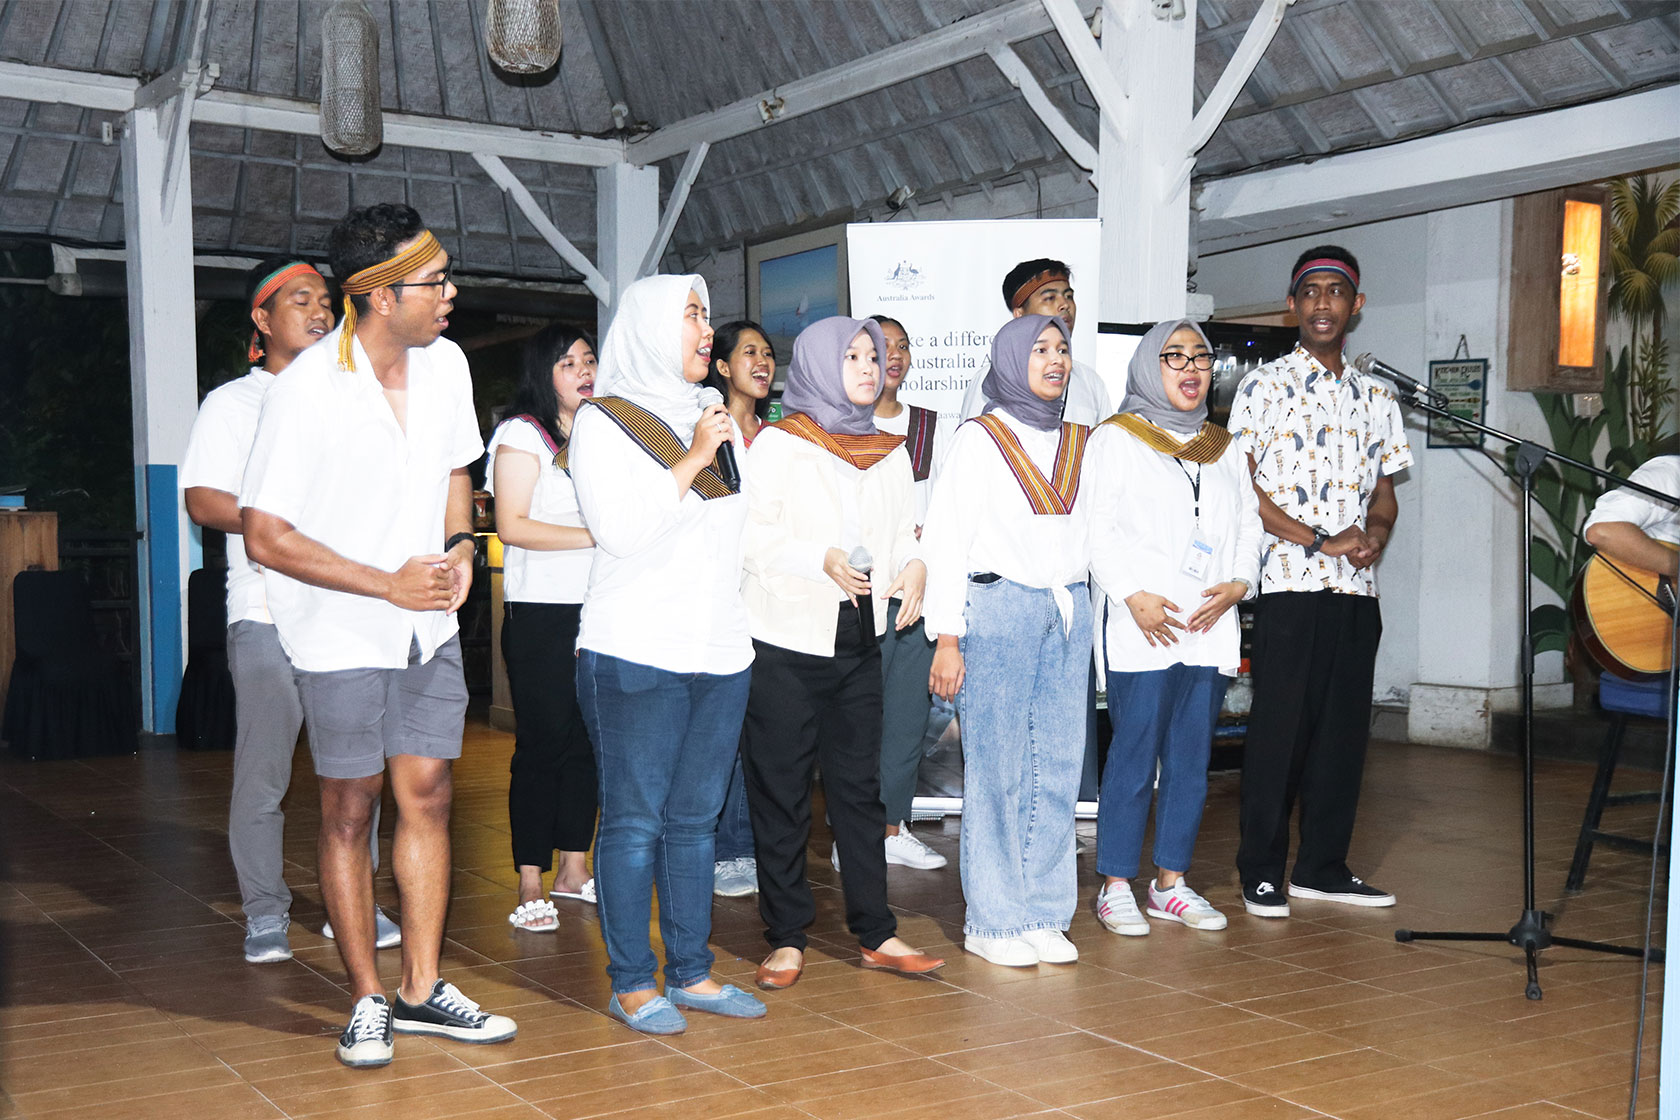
536, 916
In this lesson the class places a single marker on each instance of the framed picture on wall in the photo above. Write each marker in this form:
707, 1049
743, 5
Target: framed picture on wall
794, 281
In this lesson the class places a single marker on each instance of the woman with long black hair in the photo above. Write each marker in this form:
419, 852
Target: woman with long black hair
545, 571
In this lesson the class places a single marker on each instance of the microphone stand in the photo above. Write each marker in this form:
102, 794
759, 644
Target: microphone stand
1530, 933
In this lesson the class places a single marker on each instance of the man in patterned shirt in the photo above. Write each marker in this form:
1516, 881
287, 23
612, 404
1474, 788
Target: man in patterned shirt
1323, 442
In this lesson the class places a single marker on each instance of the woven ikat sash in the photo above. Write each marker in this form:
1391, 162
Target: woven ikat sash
654, 436
861, 452
1206, 446
920, 441
1052, 495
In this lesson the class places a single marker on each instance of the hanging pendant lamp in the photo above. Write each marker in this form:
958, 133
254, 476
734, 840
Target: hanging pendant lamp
351, 120
523, 36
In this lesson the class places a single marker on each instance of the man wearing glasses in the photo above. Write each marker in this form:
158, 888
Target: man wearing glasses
358, 503
1323, 442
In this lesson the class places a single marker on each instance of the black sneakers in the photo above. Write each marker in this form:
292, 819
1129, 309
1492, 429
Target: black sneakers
366, 1041
1263, 900
1352, 892
449, 1014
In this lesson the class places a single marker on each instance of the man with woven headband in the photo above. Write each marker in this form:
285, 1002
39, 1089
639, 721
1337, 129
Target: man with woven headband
358, 503
1324, 442
1045, 287
290, 311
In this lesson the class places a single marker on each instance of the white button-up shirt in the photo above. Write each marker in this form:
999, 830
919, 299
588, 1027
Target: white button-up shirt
531, 575
980, 521
1657, 520
330, 458
665, 588
216, 453
1320, 443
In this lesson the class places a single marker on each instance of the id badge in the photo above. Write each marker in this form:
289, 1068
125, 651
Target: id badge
1197, 558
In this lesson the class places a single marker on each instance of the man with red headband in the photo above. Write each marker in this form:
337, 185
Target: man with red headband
1324, 442
290, 311
1045, 287
358, 503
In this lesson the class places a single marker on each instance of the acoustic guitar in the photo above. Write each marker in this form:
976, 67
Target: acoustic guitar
1622, 615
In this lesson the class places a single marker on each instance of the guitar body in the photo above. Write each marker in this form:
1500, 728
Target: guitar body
1622, 615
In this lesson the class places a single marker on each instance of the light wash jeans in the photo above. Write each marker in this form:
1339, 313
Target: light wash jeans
1022, 707
664, 743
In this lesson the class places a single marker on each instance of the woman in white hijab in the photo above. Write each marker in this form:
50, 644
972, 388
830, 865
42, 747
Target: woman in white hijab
664, 656
1175, 544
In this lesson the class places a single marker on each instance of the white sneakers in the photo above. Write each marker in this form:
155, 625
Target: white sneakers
1118, 911
906, 850
1011, 952
1050, 946
903, 849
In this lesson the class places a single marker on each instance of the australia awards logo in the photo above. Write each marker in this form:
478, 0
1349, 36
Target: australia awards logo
904, 277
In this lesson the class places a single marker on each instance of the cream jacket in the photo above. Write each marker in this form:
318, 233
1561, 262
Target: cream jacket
794, 517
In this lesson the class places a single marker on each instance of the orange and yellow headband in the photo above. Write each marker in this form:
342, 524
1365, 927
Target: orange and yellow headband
271, 284
1026, 290
379, 275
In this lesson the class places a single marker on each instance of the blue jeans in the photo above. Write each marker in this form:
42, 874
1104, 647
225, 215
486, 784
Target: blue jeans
734, 828
663, 744
1022, 707
1166, 716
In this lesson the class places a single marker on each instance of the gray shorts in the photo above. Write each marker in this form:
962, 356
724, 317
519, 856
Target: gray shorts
357, 718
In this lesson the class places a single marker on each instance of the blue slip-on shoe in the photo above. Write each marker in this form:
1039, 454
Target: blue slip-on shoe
656, 1016
732, 1002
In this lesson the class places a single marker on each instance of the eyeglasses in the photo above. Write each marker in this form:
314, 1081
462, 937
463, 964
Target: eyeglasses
443, 278
1176, 360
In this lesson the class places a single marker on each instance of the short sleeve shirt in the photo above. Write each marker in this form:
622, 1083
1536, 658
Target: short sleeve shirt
1320, 443
1657, 520
536, 575
216, 453
330, 458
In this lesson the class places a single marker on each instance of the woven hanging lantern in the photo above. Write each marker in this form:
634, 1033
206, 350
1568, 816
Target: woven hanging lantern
351, 121
523, 36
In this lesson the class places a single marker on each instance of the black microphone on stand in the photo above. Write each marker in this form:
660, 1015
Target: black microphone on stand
727, 468
865, 563
1409, 386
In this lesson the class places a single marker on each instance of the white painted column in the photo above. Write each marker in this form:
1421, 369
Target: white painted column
626, 222
163, 373
1470, 572
1145, 235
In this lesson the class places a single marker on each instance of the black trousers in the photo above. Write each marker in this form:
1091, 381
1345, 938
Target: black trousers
1314, 660
551, 797
804, 709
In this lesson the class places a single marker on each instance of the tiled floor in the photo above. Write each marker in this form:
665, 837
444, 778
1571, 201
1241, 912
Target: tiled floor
127, 995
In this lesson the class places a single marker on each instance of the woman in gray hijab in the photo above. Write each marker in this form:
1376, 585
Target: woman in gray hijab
1175, 544
1007, 552
831, 505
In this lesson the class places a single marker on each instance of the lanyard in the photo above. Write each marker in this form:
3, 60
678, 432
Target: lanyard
1195, 486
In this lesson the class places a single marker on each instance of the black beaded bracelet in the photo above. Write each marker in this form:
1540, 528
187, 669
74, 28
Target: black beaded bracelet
450, 544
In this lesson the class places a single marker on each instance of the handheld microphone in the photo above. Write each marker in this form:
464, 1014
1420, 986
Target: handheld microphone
865, 563
1409, 386
727, 468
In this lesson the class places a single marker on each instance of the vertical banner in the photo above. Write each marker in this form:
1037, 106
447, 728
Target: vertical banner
944, 282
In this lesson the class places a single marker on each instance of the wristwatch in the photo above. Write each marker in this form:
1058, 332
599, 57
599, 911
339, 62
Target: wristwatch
458, 538
1320, 535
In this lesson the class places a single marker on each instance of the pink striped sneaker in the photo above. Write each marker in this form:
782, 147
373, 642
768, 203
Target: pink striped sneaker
1181, 904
